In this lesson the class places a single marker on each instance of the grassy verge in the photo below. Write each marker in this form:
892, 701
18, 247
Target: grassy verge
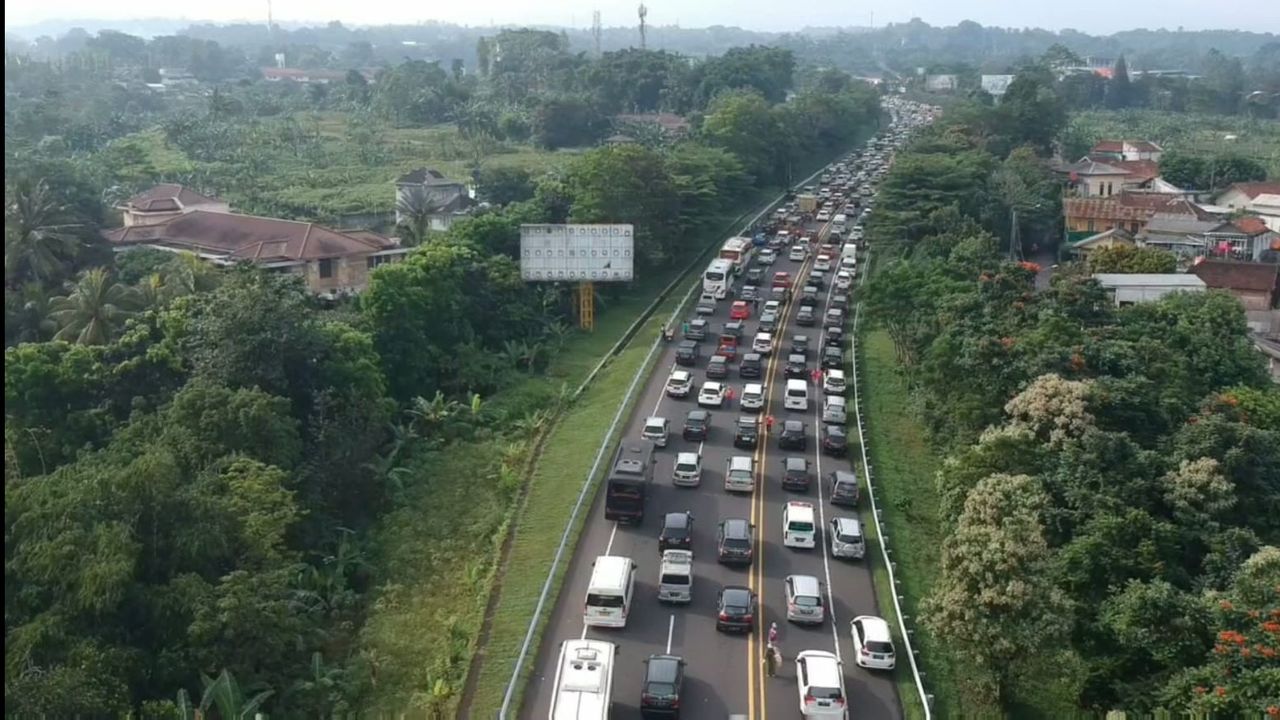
904, 467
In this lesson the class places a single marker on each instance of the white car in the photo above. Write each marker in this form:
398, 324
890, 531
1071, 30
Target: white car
763, 343
680, 384
872, 642
844, 280
797, 253
833, 381
753, 396
772, 306
766, 256
688, 470
711, 394
823, 216
822, 262
820, 681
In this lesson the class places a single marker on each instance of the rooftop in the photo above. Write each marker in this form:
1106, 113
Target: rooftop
1233, 275
1254, 189
425, 176
167, 197
1110, 280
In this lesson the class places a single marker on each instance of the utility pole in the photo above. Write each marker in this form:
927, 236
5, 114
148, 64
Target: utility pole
644, 11
595, 30
1015, 242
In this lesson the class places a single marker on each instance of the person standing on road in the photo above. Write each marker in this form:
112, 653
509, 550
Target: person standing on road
816, 375
684, 328
768, 423
773, 634
728, 396
771, 660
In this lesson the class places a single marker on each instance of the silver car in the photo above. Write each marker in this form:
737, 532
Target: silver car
846, 538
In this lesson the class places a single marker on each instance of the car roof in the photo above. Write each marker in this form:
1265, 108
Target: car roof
795, 357
663, 668
796, 463
748, 420
736, 528
847, 524
793, 425
718, 359
805, 584
753, 387
698, 414
741, 462
711, 385
686, 457
799, 338
874, 629
654, 418
737, 592
822, 668
832, 429
680, 374
688, 344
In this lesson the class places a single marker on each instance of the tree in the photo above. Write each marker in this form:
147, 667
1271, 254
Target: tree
505, 184
741, 122
1184, 171
566, 121
42, 235
1131, 259
628, 184
994, 603
416, 208
767, 70
1119, 90
95, 310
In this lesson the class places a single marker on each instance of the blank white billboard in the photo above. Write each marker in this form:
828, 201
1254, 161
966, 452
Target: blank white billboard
577, 253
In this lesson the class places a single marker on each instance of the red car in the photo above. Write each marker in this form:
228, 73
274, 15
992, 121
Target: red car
740, 310
728, 347
782, 279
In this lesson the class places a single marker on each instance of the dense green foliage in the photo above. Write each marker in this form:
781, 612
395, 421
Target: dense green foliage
1111, 494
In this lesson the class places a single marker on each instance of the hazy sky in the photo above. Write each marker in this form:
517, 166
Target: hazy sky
1094, 16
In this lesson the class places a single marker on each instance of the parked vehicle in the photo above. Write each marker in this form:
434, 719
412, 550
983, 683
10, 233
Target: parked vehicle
687, 353
628, 484
679, 384
697, 424
844, 486
747, 435
872, 642
796, 474
753, 397
711, 394
677, 532
820, 682
834, 440
804, 600
752, 365
799, 526
717, 367
740, 474
793, 436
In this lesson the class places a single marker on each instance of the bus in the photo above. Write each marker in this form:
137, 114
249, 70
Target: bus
717, 278
628, 484
584, 680
737, 250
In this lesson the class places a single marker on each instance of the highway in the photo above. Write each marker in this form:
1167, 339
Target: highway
724, 673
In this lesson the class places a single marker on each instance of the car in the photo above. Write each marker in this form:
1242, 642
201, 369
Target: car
718, 367
706, 306
823, 215
840, 301
796, 366
822, 262
835, 440
820, 682
796, 474
834, 336
793, 436
735, 542
697, 425
763, 343
740, 310
736, 609
687, 470
872, 642
657, 430
846, 539
772, 306
679, 384
754, 276
751, 290
687, 353
782, 279
747, 434
696, 329
727, 350
734, 329
834, 411
663, 681
677, 532
797, 253
818, 279
799, 345
809, 295
752, 365
804, 600
832, 357
753, 397
806, 316
768, 322
833, 381
833, 318
766, 256
711, 394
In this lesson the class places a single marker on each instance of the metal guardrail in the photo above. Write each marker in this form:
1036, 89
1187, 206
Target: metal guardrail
926, 700
609, 440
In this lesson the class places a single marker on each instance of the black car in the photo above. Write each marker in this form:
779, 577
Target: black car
696, 329
752, 365
754, 276
800, 345
717, 367
677, 532
736, 609
687, 353
793, 436
796, 366
795, 474
809, 295
696, 425
835, 440
663, 680
747, 434
839, 300
832, 357
818, 279
768, 322
834, 337
806, 316
735, 541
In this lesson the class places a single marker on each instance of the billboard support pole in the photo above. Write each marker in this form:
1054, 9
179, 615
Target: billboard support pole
587, 305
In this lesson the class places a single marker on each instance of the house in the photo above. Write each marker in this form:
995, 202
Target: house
1131, 288
165, 201
1257, 285
941, 83
1246, 238
1127, 150
332, 263
298, 75
1241, 195
1267, 208
448, 199
996, 85
1091, 178
176, 76
670, 124
1181, 234
1081, 249
1086, 216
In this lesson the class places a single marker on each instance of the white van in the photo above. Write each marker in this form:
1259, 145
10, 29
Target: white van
798, 526
675, 577
610, 592
797, 395
849, 263
584, 681
740, 474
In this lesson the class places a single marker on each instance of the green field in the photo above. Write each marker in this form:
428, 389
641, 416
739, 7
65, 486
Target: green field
1203, 135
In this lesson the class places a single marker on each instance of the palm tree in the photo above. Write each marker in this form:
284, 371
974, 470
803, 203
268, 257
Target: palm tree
41, 235
187, 274
230, 699
415, 209
27, 315
95, 309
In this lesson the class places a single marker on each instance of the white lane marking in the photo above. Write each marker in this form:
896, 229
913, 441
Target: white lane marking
612, 534
662, 395
671, 628
822, 511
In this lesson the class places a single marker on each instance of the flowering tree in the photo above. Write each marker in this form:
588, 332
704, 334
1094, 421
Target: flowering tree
1053, 408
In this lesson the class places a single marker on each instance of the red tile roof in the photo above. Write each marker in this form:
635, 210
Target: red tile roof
1254, 189
1142, 170
249, 237
167, 196
1252, 226
1231, 275
1108, 146
1127, 206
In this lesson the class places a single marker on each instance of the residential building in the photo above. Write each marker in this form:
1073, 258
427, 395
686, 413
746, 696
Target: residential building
1181, 234
449, 199
1127, 150
670, 124
996, 85
619, 139
332, 263
1090, 178
1267, 207
1086, 216
166, 201
1246, 238
1081, 249
299, 75
1132, 288
1241, 195
176, 76
1257, 285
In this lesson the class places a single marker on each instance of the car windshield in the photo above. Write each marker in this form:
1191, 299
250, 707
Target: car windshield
796, 526
807, 601
607, 601
675, 579
879, 646
735, 542
824, 693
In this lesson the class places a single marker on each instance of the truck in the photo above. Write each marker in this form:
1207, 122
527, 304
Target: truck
628, 483
807, 202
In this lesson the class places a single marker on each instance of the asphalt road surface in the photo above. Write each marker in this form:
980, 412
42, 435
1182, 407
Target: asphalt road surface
724, 673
